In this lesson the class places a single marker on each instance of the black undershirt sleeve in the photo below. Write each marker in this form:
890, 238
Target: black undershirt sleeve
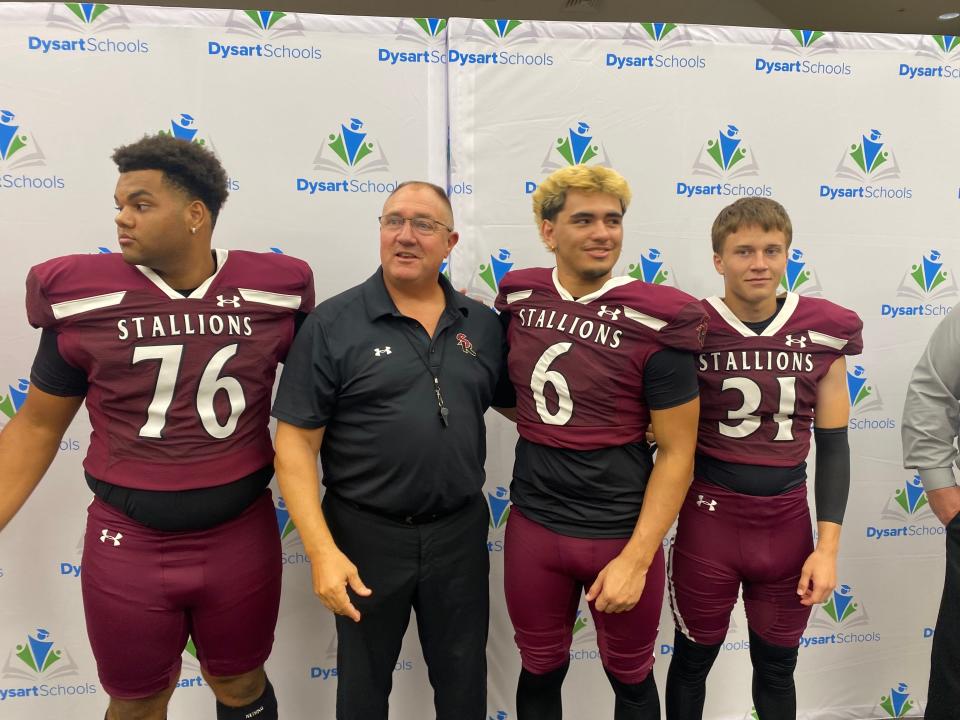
669, 379
832, 484
51, 373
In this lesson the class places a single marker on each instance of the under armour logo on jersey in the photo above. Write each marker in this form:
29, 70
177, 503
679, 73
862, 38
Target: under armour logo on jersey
801, 341
711, 504
612, 314
221, 301
105, 535
382, 351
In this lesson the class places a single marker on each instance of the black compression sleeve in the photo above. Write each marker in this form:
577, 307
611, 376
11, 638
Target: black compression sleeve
832, 484
51, 373
669, 379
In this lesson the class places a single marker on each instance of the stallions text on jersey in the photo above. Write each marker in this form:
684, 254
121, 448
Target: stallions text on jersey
577, 364
179, 387
758, 391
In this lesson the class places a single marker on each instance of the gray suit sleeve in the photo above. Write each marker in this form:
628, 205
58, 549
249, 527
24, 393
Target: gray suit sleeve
931, 414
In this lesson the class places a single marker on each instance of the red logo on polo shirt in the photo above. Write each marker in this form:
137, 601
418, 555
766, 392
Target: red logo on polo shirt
464, 342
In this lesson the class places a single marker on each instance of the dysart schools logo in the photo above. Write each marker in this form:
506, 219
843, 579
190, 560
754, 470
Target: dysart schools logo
800, 277
727, 157
908, 502
284, 521
18, 147
842, 617
868, 161
85, 17
652, 269
499, 503
87, 20
930, 284
267, 28
804, 45
896, 703
842, 609
271, 24
577, 146
350, 152
184, 127
928, 279
943, 49
908, 514
492, 272
499, 715
659, 40
863, 395
498, 39
38, 657
14, 398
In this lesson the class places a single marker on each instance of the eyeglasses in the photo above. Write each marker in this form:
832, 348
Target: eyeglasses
419, 225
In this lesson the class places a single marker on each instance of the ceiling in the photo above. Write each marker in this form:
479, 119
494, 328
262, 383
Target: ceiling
891, 16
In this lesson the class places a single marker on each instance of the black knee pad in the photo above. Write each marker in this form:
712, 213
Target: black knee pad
691, 661
773, 665
263, 708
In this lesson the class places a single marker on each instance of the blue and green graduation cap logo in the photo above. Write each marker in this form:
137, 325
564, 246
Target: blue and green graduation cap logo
908, 502
355, 151
492, 272
501, 27
272, 24
14, 398
799, 276
577, 146
84, 17
869, 160
896, 703
806, 38
725, 155
928, 279
18, 148
424, 31
804, 43
431, 26
499, 504
87, 12
650, 269
184, 127
863, 395
940, 47
38, 658
284, 521
656, 35
841, 606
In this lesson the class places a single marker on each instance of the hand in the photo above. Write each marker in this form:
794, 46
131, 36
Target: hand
818, 578
619, 585
332, 572
945, 503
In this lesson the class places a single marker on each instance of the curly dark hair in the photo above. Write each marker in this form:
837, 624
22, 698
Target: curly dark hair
185, 165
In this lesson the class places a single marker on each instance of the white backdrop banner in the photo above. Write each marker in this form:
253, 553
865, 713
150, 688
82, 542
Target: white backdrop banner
317, 118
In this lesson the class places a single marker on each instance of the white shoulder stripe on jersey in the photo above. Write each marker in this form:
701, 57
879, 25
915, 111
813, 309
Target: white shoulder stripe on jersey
518, 295
655, 324
829, 340
270, 298
82, 305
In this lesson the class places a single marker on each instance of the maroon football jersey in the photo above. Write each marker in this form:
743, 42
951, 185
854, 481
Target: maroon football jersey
577, 365
758, 392
179, 387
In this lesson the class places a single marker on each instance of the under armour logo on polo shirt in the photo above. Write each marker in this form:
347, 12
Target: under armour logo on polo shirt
382, 351
221, 301
105, 535
613, 314
711, 504
801, 341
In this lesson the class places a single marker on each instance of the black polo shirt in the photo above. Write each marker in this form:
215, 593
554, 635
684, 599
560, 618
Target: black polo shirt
365, 373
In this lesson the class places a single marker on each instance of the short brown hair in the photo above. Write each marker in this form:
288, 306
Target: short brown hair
439, 191
759, 212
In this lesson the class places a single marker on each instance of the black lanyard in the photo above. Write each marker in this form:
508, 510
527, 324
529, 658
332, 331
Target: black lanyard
442, 410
